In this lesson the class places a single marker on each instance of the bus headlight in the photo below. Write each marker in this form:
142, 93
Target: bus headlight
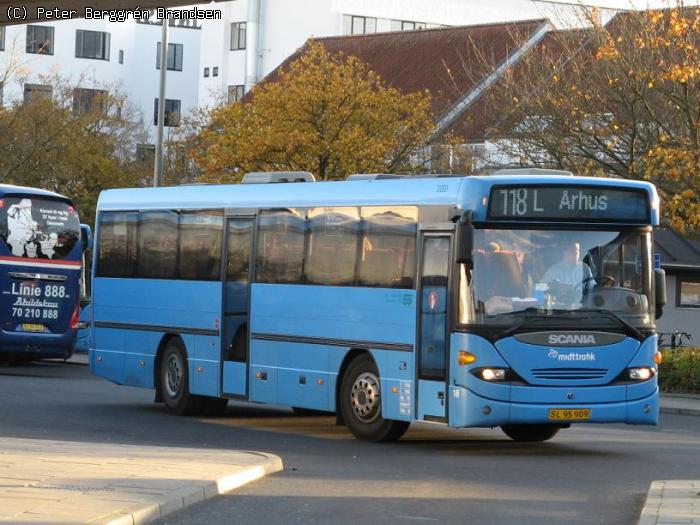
642, 373
493, 374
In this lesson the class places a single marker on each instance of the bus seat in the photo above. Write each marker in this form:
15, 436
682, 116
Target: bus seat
504, 275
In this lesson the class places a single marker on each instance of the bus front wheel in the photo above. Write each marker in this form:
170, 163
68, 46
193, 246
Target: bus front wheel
174, 382
530, 433
360, 403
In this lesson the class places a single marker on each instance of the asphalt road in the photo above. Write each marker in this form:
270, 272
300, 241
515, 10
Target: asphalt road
588, 474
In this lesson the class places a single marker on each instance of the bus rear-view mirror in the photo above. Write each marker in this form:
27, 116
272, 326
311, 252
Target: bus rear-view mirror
86, 237
660, 291
465, 239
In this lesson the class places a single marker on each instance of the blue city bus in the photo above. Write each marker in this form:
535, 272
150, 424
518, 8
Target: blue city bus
41, 247
526, 302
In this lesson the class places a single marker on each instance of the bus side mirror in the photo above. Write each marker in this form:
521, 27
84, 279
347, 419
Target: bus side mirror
465, 239
86, 237
660, 291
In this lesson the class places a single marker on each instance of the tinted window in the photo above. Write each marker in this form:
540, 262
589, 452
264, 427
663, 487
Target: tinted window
332, 248
280, 252
238, 263
387, 255
40, 40
91, 44
157, 244
38, 228
117, 244
200, 245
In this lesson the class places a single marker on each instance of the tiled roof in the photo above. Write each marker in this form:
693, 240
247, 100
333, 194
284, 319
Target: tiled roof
448, 62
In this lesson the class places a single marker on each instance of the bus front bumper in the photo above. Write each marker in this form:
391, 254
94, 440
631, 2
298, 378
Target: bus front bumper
467, 409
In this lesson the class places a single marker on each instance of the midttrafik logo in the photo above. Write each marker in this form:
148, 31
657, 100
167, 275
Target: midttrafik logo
571, 356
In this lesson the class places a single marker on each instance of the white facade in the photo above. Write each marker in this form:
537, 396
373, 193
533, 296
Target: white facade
274, 30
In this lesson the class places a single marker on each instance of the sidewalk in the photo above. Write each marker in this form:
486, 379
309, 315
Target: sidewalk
58, 482
672, 502
686, 404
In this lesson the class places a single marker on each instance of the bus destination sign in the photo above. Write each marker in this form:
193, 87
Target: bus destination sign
582, 203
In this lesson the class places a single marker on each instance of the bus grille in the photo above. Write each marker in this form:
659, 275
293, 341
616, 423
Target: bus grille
569, 373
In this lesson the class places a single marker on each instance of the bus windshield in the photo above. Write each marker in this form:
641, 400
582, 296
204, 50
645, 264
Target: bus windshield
37, 228
565, 277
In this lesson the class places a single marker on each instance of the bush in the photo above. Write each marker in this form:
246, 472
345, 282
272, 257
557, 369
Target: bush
680, 370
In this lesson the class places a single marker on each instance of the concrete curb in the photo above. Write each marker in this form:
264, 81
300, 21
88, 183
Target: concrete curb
672, 502
681, 411
183, 498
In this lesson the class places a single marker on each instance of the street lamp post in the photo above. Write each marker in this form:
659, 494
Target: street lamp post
158, 165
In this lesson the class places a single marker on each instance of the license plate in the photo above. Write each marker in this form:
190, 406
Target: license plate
29, 327
570, 414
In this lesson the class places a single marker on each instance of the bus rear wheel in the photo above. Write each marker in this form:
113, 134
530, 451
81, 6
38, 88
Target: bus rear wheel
174, 382
361, 403
531, 433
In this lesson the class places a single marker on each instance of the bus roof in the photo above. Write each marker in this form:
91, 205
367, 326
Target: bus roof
462, 192
6, 189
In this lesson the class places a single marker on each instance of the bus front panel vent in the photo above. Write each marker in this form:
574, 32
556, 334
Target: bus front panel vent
274, 177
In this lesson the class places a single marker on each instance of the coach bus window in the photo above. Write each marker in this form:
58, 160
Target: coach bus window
117, 244
280, 251
239, 235
200, 245
388, 246
332, 246
157, 244
38, 228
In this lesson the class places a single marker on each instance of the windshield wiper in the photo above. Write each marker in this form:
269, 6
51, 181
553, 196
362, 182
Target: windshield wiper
629, 328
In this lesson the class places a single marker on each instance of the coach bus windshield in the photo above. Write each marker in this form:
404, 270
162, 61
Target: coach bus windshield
562, 277
37, 228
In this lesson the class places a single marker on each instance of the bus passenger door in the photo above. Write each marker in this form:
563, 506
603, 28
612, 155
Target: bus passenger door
432, 325
235, 301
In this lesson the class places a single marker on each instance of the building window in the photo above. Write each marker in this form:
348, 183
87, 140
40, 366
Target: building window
2, 38
206, 72
145, 152
238, 35
174, 57
688, 293
92, 44
121, 56
235, 93
215, 71
87, 100
359, 25
40, 40
404, 25
172, 113
33, 91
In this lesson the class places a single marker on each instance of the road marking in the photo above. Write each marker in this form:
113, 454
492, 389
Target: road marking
419, 518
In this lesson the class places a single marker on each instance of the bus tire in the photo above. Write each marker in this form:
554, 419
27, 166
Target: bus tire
174, 381
360, 403
530, 433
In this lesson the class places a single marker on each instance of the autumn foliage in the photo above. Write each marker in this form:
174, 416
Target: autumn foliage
621, 99
325, 113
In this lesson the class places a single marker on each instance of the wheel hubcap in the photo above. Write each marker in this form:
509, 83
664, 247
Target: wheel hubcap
173, 375
365, 397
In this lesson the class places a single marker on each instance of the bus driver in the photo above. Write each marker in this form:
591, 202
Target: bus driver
569, 278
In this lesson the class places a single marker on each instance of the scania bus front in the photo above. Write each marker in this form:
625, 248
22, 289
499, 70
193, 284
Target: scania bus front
556, 308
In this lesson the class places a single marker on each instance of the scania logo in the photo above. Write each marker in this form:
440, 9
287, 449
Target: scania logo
571, 339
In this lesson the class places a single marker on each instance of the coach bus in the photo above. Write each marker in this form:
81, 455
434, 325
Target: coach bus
41, 251
520, 301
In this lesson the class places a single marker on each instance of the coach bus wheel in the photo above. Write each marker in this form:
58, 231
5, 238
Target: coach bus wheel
530, 432
174, 382
361, 403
